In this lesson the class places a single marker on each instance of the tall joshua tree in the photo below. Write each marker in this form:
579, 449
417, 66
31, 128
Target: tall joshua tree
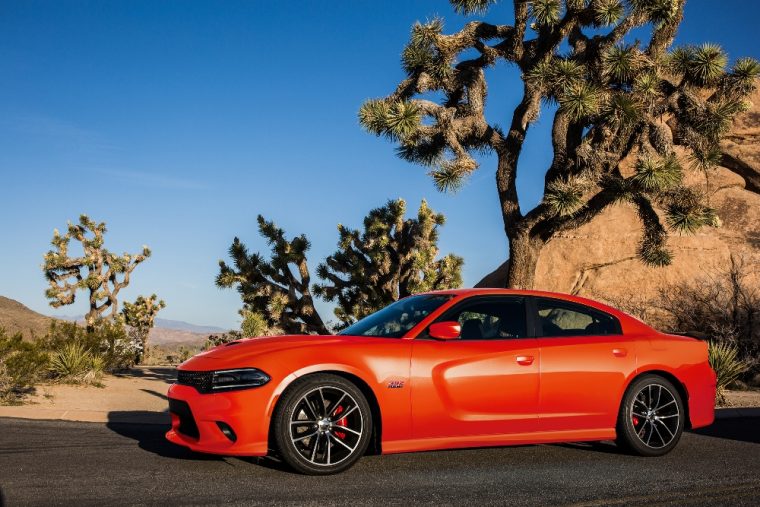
269, 287
140, 317
612, 100
392, 258
100, 272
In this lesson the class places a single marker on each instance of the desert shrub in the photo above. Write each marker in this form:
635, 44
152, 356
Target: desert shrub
21, 365
68, 353
184, 353
723, 306
116, 348
724, 359
156, 355
215, 340
635, 305
106, 340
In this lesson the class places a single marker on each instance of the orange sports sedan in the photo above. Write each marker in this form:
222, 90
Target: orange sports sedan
444, 370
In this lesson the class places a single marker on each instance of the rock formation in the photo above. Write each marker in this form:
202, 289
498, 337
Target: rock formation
599, 259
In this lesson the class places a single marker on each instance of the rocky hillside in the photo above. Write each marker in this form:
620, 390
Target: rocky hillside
171, 337
599, 259
15, 317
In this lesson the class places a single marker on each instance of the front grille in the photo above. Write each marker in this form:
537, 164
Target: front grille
200, 380
187, 424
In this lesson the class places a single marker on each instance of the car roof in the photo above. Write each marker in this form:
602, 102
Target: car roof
513, 292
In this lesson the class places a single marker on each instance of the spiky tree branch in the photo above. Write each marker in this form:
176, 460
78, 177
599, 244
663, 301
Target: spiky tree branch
102, 273
270, 287
613, 100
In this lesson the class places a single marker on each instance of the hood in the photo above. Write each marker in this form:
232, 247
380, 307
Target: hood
249, 347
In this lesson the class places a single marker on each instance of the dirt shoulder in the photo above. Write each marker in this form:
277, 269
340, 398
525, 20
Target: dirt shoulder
743, 399
138, 396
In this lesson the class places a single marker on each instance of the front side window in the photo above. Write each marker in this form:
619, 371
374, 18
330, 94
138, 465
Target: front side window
491, 318
395, 320
559, 318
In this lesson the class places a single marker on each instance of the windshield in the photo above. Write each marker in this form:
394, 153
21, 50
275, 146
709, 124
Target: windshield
395, 320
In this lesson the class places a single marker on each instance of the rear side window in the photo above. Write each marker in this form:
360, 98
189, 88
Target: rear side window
491, 318
560, 318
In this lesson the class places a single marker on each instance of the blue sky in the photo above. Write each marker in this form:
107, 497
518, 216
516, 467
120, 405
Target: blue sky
177, 122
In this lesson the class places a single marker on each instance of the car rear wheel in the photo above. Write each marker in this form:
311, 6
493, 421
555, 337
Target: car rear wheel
651, 418
322, 425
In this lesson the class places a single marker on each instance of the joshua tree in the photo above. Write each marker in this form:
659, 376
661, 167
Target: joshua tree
270, 288
392, 258
102, 273
140, 316
613, 99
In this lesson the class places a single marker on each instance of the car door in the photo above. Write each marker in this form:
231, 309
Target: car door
585, 360
486, 381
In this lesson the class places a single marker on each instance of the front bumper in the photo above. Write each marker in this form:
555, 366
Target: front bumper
195, 419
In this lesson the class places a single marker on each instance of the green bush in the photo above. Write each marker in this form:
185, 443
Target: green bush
724, 359
21, 366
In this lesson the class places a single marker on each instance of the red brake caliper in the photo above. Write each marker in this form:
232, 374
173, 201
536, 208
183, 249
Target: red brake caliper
341, 422
635, 421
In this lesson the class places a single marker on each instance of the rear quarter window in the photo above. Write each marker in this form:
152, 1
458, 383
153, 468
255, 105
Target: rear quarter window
562, 318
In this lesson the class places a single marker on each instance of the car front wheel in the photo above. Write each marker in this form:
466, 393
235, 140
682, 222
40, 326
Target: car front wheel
651, 418
322, 425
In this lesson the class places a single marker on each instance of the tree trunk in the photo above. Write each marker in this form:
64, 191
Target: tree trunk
144, 343
523, 248
523, 258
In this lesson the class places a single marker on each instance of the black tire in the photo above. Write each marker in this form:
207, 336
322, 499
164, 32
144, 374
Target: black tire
651, 418
322, 448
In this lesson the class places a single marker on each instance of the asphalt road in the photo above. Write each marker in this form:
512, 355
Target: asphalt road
66, 463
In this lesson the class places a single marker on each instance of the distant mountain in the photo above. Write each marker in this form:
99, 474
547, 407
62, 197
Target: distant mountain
15, 317
176, 332
174, 325
186, 326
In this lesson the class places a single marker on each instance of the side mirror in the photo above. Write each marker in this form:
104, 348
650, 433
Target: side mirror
445, 330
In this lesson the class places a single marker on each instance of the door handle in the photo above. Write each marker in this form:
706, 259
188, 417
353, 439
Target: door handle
524, 360
619, 352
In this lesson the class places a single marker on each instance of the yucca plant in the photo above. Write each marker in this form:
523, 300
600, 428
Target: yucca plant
724, 359
74, 364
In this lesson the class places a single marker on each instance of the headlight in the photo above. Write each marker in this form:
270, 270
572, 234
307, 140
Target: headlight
238, 379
